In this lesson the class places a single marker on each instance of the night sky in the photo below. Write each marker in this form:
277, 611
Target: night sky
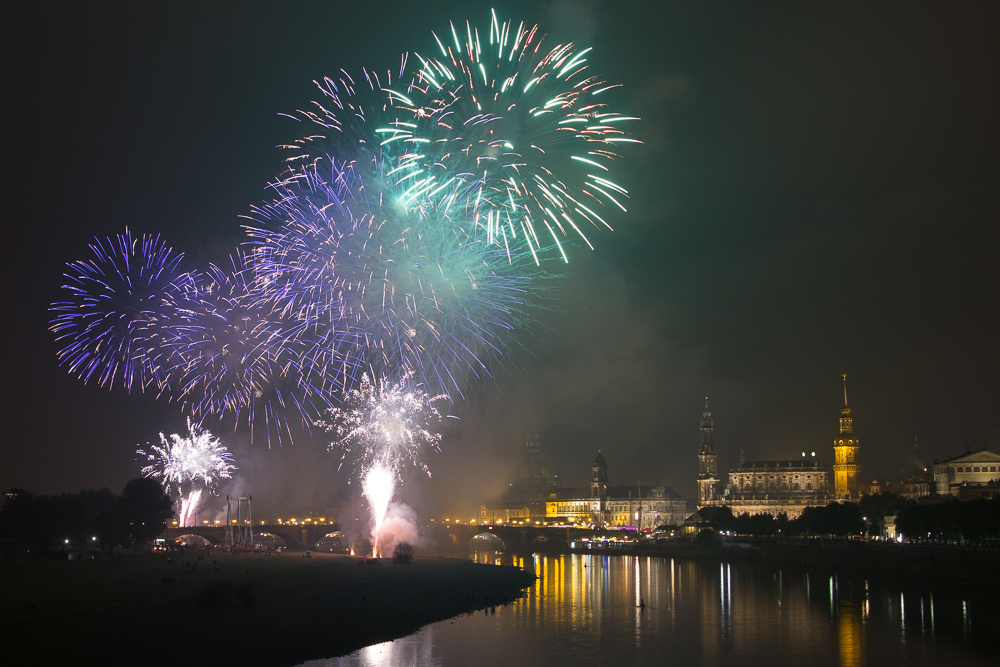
816, 195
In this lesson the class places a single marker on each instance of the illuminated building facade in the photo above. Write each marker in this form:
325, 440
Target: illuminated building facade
536, 497
761, 487
845, 452
964, 476
777, 487
622, 506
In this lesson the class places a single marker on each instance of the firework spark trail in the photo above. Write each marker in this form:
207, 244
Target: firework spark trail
378, 486
189, 506
409, 237
231, 353
518, 140
350, 121
531, 126
187, 465
119, 302
392, 287
382, 430
390, 424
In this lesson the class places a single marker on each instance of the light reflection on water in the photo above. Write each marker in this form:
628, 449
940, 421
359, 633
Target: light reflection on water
633, 610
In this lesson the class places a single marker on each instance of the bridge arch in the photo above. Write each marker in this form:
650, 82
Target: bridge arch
295, 537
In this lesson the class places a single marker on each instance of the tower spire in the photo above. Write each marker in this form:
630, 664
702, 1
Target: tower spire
708, 482
845, 449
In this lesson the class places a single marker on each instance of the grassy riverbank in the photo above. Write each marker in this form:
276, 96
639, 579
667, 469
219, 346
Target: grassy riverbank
250, 610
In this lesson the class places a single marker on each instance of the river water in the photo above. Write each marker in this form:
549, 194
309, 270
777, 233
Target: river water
638, 610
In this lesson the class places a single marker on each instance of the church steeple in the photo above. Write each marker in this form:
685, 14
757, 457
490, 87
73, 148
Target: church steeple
846, 423
599, 479
708, 480
707, 427
846, 470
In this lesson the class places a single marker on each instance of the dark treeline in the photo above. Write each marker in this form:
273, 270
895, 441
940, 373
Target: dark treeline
83, 522
972, 522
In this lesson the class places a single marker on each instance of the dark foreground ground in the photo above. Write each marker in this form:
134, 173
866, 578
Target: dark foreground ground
255, 610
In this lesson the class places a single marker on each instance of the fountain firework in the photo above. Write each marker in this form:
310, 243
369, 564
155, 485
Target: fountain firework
378, 486
383, 429
188, 466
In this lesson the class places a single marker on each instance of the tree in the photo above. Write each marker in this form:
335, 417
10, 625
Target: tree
972, 521
19, 516
838, 519
876, 506
64, 521
912, 522
719, 518
145, 509
403, 553
761, 525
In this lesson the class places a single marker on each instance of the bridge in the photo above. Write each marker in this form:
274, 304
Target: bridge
516, 538
296, 537
444, 538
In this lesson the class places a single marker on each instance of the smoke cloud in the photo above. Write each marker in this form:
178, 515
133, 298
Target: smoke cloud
399, 525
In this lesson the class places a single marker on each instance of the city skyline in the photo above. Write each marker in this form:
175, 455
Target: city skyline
814, 196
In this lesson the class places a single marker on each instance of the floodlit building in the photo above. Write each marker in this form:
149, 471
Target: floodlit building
960, 476
779, 487
625, 506
535, 496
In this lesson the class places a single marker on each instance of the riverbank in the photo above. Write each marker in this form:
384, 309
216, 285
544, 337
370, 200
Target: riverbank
155, 609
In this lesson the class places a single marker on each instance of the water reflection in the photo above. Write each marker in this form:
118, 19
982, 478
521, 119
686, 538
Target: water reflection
851, 634
594, 609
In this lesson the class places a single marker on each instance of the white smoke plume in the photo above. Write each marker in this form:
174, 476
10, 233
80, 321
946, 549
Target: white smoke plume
399, 525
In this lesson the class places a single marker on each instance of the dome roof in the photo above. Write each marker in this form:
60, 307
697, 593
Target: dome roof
599, 460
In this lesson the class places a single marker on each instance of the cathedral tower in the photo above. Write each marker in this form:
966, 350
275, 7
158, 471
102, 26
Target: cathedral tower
599, 490
708, 461
845, 455
536, 470
599, 480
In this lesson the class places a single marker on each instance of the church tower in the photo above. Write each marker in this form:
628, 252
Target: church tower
845, 455
599, 480
599, 490
708, 461
536, 470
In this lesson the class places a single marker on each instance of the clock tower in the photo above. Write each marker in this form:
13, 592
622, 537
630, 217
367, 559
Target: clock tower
845, 455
